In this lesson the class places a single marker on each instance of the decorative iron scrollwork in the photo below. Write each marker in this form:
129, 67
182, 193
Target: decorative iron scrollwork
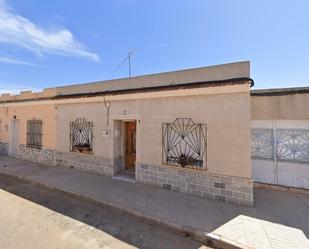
280, 144
81, 136
293, 145
262, 143
184, 144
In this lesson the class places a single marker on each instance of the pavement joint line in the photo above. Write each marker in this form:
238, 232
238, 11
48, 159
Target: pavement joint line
185, 231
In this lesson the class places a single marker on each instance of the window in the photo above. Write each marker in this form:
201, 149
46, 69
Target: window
81, 136
34, 133
184, 144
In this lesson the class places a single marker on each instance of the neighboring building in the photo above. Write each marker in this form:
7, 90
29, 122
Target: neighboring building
188, 130
280, 136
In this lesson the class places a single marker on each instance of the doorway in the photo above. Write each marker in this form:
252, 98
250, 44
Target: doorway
14, 137
130, 146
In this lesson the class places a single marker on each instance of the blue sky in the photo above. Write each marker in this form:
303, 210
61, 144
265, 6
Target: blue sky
52, 43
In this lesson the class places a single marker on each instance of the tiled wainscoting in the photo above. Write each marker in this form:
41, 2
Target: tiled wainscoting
117, 165
85, 162
199, 183
44, 156
4, 148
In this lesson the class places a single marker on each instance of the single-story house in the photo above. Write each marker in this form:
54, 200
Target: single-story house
188, 130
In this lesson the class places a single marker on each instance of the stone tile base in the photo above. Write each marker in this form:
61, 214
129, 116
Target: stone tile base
4, 148
198, 183
117, 165
43, 156
84, 162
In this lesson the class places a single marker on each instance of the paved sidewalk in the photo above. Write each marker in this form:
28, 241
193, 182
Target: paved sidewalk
67, 222
278, 220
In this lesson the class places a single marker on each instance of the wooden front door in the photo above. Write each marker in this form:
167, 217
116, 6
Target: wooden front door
130, 145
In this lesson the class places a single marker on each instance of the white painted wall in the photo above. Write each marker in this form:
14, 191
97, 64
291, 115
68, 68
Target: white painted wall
277, 172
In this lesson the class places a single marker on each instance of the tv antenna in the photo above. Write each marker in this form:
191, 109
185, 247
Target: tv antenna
127, 58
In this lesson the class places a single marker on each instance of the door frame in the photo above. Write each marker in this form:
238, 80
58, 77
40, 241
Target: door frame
14, 137
123, 119
125, 145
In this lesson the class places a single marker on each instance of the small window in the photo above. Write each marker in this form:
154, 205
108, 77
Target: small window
81, 136
34, 133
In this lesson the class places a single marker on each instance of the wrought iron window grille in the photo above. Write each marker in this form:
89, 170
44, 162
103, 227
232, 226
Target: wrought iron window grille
184, 144
81, 136
34, 133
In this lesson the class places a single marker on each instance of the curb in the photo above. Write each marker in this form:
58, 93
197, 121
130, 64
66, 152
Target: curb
281, 188
184, 231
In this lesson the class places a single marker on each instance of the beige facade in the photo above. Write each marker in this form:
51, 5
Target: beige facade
275, 104
46, 113
217, 97
223, 127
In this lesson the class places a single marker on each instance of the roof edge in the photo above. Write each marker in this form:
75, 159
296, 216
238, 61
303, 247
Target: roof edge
154, 74
191, 85
279, 91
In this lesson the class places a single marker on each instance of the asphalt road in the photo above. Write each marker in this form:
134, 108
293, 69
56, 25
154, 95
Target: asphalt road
35, 218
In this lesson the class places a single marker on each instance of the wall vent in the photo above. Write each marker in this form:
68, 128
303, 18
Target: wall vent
167, 186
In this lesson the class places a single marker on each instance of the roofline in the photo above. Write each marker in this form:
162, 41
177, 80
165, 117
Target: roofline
280, 91
191, 85
149, 75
